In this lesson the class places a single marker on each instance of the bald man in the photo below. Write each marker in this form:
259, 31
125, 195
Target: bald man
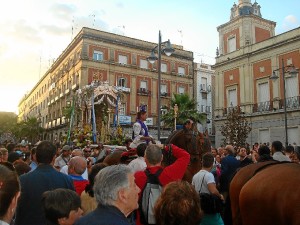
75, 152
77, 166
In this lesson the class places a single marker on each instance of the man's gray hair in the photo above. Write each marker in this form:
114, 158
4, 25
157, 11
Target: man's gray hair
230, 149
79, 163
109, 181
153, 154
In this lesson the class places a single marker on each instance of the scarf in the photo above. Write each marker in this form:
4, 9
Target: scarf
143, 126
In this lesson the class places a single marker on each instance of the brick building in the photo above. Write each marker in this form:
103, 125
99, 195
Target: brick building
249, 52
119, 60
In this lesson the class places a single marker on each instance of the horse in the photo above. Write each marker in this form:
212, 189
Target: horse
195, 143
264, 193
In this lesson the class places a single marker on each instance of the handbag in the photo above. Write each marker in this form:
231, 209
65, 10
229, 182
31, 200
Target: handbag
210, 203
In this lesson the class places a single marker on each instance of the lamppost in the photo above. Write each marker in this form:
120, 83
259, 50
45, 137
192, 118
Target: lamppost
175, 115
293, 72
168, 50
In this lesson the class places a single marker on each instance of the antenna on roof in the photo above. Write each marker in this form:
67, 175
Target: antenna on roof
181, 36
93, 15
123, 27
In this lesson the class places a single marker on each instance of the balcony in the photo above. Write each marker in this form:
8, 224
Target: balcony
291, 103
143, 91
123, 89
274, 106
164, 94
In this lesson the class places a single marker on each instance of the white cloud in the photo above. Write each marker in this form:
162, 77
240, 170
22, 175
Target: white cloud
291, 19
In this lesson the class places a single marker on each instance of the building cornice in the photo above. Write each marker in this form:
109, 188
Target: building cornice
267, 45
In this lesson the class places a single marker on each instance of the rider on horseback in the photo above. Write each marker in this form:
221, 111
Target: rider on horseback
140, 133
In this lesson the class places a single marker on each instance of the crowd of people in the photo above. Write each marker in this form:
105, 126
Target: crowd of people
53, 184
73, 186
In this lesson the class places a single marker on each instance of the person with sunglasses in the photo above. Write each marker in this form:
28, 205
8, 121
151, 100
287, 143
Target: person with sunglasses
87, 153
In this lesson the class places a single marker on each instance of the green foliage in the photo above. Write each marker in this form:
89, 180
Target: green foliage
236, 127
29, 128
8, 122
67, 112
187, 109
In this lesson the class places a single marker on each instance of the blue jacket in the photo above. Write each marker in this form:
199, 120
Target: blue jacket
33, 185
229, 165
104, 215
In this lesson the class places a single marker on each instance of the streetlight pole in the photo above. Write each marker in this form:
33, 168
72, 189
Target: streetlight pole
293, 72
168, 50
159, 88
175, 115
284, 100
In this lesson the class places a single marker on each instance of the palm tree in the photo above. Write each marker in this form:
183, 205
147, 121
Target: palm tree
187, 109
30, 129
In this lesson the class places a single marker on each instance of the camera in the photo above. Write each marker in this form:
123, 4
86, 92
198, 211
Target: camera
25, 156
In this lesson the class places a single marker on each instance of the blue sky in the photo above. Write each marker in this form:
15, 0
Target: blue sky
33, 33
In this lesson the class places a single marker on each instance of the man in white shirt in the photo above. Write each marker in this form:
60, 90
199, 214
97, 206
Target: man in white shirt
277, 149
139, 163
63, 158
75, 152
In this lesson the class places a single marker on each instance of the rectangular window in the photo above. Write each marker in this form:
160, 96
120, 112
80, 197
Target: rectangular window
123, 59
144, 85
231, 44
291, 84
163, 67
232, 98
143, 64
98, 55
73, 79
122, 109
181, 70
122, 82
263, 92
163, 88
77, 79
203, 84
181, 90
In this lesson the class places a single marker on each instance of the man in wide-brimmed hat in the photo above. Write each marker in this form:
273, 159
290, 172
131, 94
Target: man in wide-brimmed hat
63, 158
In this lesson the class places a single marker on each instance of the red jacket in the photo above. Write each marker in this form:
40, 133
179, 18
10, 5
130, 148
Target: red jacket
170, 173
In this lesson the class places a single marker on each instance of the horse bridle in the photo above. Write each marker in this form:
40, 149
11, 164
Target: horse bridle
191, 147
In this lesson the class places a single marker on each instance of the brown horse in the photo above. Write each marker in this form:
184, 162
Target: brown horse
266, 193
195, 143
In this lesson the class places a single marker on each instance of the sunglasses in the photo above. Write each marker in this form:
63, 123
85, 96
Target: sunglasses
87, 151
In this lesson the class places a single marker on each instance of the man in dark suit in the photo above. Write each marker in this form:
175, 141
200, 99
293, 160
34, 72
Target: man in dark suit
229, 165
116, 194
35, 183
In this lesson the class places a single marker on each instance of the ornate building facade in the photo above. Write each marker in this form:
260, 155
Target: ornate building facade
249, 52
116, 60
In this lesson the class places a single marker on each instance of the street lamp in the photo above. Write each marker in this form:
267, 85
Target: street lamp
293, 72
168, 50
175, 114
